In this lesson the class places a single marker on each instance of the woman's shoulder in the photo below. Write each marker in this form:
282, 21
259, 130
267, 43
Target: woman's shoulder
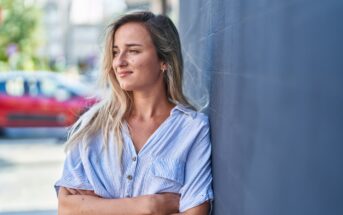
191, 115
93, 143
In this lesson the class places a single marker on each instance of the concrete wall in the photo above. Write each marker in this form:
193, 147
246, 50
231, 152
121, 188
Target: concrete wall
273, 71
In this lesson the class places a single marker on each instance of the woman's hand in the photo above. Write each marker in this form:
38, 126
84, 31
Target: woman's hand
202, 209
81, 192
161, 204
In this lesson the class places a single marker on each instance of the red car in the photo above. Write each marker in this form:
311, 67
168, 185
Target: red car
40, 99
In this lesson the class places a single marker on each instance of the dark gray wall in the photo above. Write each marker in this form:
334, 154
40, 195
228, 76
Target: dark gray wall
274, 73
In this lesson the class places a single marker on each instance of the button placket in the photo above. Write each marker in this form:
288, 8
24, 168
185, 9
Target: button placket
130, 176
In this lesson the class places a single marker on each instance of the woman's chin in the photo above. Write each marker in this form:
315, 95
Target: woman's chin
126, 87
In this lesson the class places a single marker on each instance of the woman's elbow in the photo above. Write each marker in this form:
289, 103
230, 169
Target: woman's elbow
203, 209
64, 204
63, 207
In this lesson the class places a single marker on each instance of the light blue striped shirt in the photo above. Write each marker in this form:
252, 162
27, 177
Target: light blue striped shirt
176, 158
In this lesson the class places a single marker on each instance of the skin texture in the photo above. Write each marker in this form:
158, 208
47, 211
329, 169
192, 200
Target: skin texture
139, 71
135, 62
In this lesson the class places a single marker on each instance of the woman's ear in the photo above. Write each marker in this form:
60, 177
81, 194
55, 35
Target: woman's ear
163, 66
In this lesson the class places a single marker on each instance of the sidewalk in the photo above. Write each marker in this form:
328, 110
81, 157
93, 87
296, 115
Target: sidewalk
28, 171
51, 212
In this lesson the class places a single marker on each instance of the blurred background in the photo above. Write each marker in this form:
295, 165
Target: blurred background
268, 73
49, 60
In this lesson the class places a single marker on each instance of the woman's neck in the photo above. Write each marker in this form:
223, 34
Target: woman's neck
150, 105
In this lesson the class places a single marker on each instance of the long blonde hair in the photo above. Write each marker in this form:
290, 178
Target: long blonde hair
110, 112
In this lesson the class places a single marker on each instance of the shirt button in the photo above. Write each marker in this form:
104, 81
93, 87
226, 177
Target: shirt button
134, 158
129, 177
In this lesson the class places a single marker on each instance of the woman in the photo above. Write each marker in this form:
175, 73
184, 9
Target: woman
141, 149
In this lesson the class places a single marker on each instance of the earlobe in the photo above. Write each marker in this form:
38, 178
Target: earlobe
163, 67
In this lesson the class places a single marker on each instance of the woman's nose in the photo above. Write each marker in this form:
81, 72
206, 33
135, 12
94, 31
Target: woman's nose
120, 60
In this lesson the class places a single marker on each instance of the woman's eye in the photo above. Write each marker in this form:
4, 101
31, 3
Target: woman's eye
114, 53
134, 51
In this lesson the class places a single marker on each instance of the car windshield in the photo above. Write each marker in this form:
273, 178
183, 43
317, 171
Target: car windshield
76, 87
59, 80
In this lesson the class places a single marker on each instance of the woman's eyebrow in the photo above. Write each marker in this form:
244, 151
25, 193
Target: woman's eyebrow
133, 44
128, 45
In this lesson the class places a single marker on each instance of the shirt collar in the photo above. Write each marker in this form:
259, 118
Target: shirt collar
183, 109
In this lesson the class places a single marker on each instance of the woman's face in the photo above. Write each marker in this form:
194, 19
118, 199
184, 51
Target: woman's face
135, 61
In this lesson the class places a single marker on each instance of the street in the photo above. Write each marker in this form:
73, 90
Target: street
28, 169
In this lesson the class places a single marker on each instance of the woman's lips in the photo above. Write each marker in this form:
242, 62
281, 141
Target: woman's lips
123, 74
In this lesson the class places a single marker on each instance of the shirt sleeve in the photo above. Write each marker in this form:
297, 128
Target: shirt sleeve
73, 175
197, 187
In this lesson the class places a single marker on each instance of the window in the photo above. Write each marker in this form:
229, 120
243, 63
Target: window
15, 87
48, 87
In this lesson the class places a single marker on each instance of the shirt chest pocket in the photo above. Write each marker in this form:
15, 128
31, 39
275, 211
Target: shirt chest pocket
165, 175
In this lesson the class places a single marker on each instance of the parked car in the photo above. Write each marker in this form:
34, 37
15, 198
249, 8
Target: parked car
40, 99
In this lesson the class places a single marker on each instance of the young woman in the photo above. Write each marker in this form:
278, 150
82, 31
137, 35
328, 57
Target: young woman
142, 149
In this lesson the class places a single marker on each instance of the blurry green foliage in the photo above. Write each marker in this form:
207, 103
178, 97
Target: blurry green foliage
20, 36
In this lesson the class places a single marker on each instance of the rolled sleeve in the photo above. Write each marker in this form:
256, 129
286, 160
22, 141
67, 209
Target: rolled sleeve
73, 175
197, 188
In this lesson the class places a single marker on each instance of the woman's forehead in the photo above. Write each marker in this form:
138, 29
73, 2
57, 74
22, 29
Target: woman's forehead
132, 33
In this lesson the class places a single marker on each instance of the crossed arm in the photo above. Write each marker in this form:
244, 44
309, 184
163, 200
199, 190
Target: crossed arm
77, 202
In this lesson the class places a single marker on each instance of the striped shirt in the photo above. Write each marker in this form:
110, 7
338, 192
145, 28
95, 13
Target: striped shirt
175, 158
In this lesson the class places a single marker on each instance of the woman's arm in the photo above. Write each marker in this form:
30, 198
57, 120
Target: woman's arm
202, 209
74, 202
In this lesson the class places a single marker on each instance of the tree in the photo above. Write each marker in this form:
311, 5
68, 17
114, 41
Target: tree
20, 35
